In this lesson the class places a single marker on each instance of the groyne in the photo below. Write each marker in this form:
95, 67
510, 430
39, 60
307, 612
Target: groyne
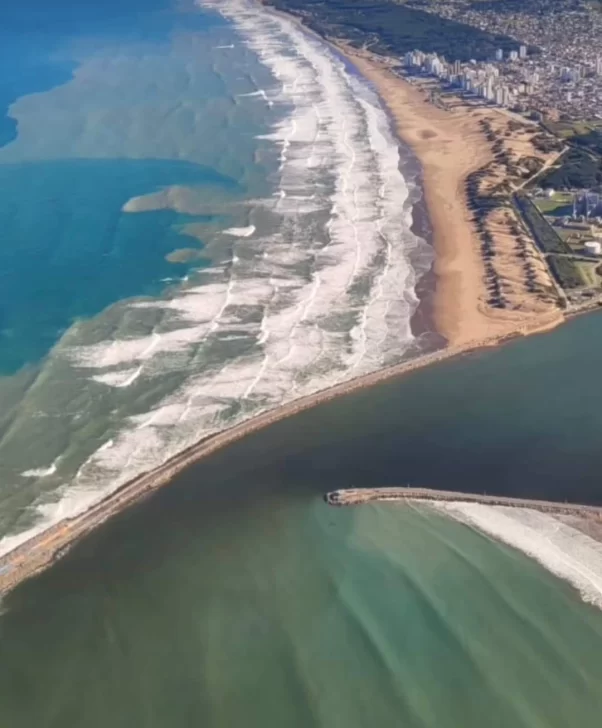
357, 496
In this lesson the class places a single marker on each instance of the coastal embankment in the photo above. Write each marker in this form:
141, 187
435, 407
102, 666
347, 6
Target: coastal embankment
357, 496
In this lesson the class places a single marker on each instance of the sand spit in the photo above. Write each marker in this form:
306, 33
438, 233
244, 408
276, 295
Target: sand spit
41, 550
565, 538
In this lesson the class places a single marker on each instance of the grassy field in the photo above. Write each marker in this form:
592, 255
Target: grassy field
560, 204
588, 273
544, 234
568, 129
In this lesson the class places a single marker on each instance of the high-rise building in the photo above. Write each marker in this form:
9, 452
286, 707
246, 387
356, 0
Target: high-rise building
489, 89
499, 96
513, 55
522, 51
499, 55
434, 65
457, 67
599, 65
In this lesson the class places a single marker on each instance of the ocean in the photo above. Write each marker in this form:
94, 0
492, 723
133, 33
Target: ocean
236, 596
205, 215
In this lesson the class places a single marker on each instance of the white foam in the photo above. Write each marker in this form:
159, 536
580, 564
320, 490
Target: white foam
240, 232
563, 550
119, 379
327, 295
40, 472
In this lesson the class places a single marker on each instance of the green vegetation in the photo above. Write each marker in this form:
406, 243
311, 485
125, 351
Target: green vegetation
560, 204
591, 141
589, 273
393, 28
568, 129
565, 271
543, 233
578, 169
581, 166
546, 142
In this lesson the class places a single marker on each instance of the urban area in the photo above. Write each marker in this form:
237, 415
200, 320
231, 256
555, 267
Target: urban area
552, 75
555, 69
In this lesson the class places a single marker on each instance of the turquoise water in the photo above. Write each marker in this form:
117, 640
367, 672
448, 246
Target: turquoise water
36, 41
69, 251
74, 257
237, 597
204, 214
123, 142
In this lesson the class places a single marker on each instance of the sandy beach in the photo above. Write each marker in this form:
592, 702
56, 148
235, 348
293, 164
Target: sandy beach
450, 146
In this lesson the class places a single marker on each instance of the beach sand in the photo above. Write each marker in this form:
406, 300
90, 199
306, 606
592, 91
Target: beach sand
450, 145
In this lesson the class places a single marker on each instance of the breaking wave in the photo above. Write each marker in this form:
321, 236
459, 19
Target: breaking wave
318, 286
560, 548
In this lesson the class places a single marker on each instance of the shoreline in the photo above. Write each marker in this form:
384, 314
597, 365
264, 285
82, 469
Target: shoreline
450, 148
40, 551
564, 538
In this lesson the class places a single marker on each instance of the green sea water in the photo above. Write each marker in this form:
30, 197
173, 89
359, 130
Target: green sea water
237, 597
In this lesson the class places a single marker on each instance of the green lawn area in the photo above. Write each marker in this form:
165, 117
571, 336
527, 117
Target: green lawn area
560, 204
568, 129
588, 272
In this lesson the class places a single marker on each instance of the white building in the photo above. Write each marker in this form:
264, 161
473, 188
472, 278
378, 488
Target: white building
593, 247
489, 89
513, 55
522, 51
435, 66
499, 55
